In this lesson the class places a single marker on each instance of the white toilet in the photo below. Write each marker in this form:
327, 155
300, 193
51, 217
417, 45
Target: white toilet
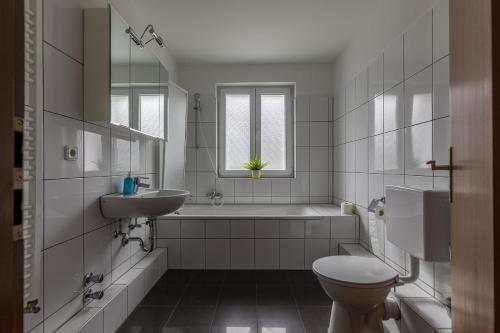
417, 221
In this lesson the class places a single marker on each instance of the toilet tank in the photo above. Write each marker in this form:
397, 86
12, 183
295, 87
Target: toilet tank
418, 221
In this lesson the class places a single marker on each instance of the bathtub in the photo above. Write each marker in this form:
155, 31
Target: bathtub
254, 236
289, 212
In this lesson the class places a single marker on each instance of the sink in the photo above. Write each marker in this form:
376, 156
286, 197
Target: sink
146, 203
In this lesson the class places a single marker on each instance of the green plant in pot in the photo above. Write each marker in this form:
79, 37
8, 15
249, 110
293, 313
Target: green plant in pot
255, 165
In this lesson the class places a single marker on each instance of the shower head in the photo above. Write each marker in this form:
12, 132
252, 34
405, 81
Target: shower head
197, 102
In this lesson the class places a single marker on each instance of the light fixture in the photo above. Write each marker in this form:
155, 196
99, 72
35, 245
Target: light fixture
138, 40
133, 36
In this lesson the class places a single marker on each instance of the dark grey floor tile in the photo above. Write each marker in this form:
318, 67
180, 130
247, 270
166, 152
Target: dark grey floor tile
311, 295
282, 319
316, 319
275, 295
190, 320
186, 329
176, 277
200, 296
146, 319
164, 295
268, 277
235, 319
233, 329
232, 295
239, 277
303, 277
209, 277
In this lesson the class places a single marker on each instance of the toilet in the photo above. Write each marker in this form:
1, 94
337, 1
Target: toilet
358, 287
417, 221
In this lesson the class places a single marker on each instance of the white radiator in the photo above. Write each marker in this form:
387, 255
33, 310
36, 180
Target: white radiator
32, 165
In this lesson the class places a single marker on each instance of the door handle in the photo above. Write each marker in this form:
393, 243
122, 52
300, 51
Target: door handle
448, 167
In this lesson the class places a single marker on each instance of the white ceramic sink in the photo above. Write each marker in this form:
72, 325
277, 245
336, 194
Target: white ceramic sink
147, 203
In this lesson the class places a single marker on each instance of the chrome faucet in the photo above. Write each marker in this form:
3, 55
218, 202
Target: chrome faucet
91, 277
214, 195
138, 183
89, 294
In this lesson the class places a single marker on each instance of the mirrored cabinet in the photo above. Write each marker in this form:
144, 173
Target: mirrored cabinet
125, 83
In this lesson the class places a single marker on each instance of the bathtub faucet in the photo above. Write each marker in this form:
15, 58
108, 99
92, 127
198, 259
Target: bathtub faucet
214, 195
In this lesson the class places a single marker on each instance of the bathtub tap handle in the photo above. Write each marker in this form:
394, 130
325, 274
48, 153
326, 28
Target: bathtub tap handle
91, 277
89, 294
214, 195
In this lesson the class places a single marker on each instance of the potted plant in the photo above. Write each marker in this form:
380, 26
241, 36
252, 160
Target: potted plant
255, 165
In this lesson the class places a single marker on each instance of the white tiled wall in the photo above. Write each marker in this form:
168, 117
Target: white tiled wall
387, 137
76, 239
314, 166
253, 244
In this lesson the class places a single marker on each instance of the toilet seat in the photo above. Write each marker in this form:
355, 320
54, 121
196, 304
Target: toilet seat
355, 272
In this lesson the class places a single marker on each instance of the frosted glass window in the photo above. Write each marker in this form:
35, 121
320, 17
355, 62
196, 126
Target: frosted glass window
255, 121
120, 110
150, 106
237, 136
273, 131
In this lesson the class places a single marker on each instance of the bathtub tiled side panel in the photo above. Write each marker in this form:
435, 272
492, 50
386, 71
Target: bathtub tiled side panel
253, 244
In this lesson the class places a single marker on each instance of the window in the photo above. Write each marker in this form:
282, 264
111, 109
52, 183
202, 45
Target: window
255, 121
120, 104
149, 106
141, 108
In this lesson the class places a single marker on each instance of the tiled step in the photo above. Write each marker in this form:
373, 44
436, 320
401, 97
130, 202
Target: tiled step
121, 298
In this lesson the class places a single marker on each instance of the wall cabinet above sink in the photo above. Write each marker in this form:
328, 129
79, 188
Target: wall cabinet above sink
125, 84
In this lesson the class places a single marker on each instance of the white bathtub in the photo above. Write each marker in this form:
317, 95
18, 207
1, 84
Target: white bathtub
303, 212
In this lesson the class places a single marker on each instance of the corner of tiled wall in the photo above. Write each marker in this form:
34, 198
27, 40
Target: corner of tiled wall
77, 239
390, 119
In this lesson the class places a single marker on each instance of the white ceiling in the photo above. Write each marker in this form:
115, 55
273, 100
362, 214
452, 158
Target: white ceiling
255, 31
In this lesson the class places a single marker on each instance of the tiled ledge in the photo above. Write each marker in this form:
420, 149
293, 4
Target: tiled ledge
420, 313
120, 298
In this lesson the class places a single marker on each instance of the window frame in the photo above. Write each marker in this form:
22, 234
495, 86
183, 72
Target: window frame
255, 91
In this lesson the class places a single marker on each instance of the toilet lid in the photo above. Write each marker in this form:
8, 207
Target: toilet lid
355, 270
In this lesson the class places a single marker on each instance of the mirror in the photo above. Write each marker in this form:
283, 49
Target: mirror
164, 110
120, 71
139, 83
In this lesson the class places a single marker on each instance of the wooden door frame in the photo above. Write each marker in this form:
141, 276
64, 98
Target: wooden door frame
12, 104
475, 128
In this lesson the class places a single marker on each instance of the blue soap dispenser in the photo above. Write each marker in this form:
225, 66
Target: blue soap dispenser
128, 185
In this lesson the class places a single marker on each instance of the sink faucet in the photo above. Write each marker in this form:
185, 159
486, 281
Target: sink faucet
138, 183
214, 195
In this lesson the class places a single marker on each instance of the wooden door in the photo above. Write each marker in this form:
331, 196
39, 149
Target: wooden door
12, 104
475, 128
